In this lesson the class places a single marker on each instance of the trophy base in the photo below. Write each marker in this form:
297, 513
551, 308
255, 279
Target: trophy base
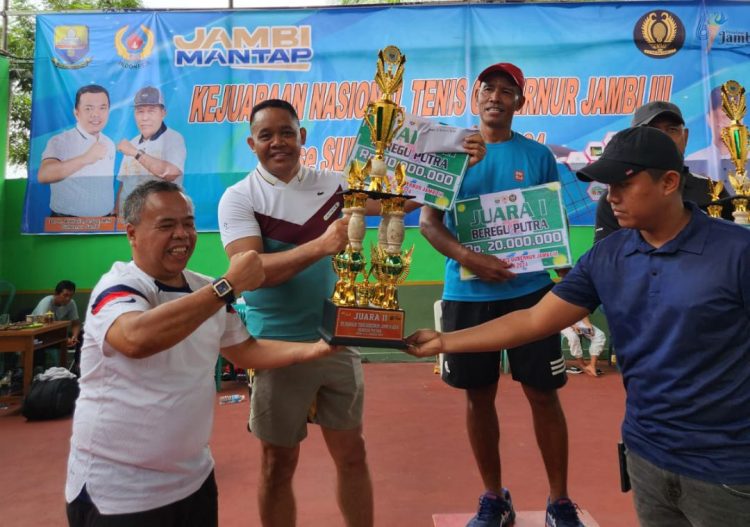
741, 217
374, 194
368, 327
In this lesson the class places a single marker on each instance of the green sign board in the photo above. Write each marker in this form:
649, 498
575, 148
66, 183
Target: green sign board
526, 227
432, 178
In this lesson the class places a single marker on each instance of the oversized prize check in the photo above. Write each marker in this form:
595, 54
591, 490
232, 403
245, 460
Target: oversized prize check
525, 227
431, 178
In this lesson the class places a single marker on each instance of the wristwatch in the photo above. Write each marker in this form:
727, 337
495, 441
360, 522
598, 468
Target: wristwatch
223, 289
139, 154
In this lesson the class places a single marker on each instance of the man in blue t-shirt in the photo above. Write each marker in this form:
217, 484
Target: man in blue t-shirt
512, 161
676, 288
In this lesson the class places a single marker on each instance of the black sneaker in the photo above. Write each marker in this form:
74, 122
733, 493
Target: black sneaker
494, 511
562, 513
575, 370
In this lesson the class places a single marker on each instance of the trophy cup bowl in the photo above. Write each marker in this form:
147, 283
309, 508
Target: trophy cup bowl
384, 119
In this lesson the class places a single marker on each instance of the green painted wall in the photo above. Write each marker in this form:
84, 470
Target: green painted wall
4, 92
37, 263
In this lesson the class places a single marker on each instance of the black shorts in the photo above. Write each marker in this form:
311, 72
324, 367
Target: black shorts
539, 364
200, 509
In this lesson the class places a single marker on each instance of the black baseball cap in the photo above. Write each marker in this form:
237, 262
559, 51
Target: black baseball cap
650, 111
631, 151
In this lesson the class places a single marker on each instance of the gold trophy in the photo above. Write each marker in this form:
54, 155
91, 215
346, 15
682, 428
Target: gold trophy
735, 139
714, 189
363, 312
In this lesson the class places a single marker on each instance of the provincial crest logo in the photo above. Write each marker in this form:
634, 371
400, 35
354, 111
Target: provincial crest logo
135, 45
71, 44
659, 34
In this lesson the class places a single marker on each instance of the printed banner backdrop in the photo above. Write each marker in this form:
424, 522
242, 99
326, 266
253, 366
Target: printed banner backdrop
588, 66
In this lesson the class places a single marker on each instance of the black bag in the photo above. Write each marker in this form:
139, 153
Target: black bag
50, 399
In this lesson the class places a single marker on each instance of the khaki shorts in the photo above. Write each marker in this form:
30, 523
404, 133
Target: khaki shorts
282, 397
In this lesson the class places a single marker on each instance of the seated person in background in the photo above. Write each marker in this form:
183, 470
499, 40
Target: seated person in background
62, 305
584, 328
64, 308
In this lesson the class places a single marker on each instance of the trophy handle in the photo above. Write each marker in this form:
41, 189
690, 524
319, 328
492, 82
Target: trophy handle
355, 176
399, 121
370, 120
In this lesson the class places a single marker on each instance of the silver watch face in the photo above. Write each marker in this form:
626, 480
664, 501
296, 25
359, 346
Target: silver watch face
222, 287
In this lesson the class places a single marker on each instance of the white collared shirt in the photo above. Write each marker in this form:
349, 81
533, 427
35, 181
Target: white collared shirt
141, 426
285, 215
258, 194
168, 145
89, 191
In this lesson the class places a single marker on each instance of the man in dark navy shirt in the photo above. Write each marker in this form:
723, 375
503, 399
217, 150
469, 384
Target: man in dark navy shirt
676, 288
667, 117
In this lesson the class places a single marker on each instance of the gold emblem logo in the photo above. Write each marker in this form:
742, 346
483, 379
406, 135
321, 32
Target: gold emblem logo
134, 46
659, 34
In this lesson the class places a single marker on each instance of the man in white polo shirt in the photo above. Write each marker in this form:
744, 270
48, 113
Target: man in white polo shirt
157, 152
79, 164
139, 453
289, 213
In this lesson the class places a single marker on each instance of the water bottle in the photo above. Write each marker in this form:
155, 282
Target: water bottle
231, 399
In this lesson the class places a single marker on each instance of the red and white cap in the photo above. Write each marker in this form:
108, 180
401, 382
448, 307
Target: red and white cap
512, 70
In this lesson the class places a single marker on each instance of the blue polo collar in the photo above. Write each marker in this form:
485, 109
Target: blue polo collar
692, 238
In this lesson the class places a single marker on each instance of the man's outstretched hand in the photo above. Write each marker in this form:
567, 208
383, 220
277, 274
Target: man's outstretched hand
424, 343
